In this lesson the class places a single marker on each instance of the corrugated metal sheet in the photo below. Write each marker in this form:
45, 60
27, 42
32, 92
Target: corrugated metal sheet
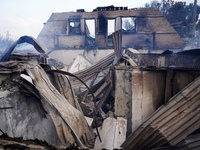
28, 39
171, 123
65, 112
87, 73
191, 142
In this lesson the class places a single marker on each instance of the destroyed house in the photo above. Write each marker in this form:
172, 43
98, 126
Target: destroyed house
127, 100
143, 29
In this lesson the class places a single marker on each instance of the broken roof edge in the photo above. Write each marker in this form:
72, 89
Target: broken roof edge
104, 11
144, 12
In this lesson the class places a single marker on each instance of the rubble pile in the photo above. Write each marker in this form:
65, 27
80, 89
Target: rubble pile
126, 100
19, 143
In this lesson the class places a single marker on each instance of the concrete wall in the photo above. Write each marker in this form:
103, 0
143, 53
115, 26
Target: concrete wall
65, 56
137, 41
148, 90
123, 95
96, 55
138, 92
101, 40
48, 41
178, 79
71, 41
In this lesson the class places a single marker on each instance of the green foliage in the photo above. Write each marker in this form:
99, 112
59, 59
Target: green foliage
153, 4
181, 17
178, 14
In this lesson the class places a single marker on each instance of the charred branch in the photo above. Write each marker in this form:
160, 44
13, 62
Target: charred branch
6, 107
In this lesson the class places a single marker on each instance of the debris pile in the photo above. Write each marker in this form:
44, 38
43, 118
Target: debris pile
126, 100
41, 105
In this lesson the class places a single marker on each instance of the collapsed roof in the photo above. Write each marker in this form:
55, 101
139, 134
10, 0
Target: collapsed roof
132, 87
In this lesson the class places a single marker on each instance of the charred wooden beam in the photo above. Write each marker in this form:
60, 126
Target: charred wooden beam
117, 43
108, 89
6, 107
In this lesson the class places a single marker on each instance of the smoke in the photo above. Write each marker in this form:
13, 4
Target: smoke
194, 43
5, 42
25, 48
22, 26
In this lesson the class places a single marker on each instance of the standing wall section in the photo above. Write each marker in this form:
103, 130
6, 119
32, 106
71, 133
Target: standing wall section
139, 92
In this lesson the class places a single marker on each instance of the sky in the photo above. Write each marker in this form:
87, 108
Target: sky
26, 17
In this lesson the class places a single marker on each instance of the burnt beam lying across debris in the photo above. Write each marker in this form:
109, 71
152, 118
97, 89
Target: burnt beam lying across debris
6, 107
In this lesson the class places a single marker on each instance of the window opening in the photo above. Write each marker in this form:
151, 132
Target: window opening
111, 26
74, 26
90, 34
128, 24
90, 28
111, 29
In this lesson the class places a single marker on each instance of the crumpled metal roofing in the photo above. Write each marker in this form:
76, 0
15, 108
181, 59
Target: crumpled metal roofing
28, 39
170, 123
87, 73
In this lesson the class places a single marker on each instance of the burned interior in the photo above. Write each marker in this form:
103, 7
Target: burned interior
129, 87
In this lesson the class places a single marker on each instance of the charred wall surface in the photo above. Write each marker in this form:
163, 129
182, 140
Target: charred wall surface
123, 94
150, 30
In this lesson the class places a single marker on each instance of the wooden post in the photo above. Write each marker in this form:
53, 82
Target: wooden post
194, 20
